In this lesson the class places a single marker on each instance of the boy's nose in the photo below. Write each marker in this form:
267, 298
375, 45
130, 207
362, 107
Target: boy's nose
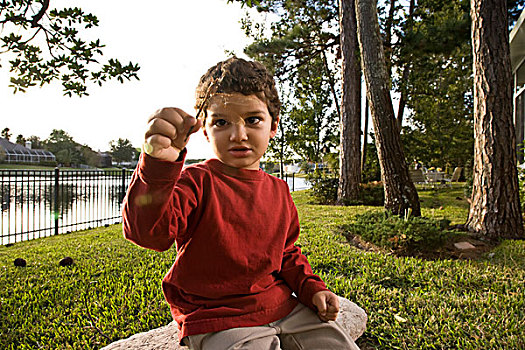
238, 133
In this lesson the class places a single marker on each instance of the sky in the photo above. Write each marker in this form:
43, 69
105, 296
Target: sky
174, 42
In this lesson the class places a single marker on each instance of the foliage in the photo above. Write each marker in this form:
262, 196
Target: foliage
61, 144
440, 128
514, 8
113, 288
324, 190
403, 236
36, 143
434, 43
249, 3
279, 149
314, 124
296, 48
6, 134
324, 186
371, 169
20, 139
122, 150
303, 30
371, 193
45, 45
89, 157
67, 151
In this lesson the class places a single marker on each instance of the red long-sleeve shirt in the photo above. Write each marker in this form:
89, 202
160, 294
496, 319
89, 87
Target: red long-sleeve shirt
234, 232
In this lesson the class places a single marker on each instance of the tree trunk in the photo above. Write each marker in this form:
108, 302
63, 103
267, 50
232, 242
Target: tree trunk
331, 81
350, 124
406, 71
495, 206
388, 37
365, 138
400, 192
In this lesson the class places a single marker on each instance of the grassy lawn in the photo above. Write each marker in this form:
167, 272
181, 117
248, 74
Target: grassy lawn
41, 167
113, 289
24, 167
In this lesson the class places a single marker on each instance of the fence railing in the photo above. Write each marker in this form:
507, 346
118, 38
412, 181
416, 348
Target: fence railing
39, 203
295, 183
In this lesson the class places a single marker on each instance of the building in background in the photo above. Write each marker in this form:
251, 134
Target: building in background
517, 58
15, 153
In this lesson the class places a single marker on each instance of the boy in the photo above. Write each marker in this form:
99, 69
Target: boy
234, 226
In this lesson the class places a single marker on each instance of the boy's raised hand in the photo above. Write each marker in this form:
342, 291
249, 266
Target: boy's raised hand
327, 304
168, 131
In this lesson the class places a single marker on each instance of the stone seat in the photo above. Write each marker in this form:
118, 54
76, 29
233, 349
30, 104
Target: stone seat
351, 317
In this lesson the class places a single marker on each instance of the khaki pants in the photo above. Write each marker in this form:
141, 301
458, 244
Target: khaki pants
300, 330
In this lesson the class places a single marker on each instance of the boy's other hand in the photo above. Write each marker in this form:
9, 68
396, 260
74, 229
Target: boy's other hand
327, 304
168, 131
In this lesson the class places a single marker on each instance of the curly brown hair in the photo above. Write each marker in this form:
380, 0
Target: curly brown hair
238, 75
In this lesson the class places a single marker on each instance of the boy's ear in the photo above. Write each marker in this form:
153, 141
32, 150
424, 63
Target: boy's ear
273, 129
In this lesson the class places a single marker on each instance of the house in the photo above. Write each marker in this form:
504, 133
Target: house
517, 58
105, 160
15, 153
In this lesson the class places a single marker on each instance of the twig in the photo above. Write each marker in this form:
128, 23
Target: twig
92, 320
214, 84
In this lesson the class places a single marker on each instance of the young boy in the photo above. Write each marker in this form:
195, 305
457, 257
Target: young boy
238, 281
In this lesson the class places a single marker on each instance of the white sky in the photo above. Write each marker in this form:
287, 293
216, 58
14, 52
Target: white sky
173, 41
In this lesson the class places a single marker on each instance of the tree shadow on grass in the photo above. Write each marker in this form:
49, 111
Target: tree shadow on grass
448, 250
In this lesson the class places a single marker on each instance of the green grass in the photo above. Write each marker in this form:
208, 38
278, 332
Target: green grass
42, 167
113, 290
24, 167
448, 202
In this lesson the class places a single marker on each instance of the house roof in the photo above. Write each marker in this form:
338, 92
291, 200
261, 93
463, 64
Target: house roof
14, 148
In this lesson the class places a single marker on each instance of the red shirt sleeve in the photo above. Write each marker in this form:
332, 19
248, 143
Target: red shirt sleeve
156, 208
296, 270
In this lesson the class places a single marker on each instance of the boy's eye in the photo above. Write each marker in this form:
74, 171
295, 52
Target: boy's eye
253, 120
219, 122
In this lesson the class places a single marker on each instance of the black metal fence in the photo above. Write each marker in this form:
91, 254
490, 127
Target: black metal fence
294, 182
39, 203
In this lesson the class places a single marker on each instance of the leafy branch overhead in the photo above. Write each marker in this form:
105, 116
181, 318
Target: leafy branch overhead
45, 45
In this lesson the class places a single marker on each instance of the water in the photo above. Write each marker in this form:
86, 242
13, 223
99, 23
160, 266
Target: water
85, 200
30, 209
297, 183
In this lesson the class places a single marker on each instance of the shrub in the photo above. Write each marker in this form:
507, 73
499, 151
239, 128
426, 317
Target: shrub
371, 171
324, 190
403, 236
324, 187
372, 193
50, 163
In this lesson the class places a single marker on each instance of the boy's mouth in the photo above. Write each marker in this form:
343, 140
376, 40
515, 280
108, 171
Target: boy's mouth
239, 151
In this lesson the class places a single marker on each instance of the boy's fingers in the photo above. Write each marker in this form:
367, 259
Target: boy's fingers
159, 126
333, 304
171, 114
170, 121
321, 306
195, 125
160, 147
157, 143
167, 132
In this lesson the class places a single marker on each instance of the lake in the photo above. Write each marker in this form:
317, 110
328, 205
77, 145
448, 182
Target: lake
31, 208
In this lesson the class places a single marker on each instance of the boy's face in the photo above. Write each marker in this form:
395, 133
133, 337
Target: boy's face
239, 128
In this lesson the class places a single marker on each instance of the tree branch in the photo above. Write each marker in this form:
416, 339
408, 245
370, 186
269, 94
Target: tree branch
36, 18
